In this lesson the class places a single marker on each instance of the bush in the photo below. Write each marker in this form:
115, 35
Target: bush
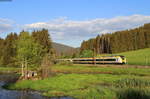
87, 53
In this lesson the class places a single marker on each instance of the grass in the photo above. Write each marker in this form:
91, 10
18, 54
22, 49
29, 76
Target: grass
133, 89
8, 69
84, 82
138, 57
72, 84
101, 70
129, 83
133, 93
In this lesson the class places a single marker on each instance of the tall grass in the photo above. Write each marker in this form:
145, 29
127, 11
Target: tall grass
133, 88
133, 93
132, 83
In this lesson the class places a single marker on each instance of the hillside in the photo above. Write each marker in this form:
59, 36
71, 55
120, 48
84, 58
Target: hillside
119, 41
63, 49
138, 57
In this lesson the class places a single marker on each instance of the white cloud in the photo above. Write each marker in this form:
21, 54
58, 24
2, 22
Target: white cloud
62, 28
6, 25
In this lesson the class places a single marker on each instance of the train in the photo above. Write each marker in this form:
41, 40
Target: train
116, 59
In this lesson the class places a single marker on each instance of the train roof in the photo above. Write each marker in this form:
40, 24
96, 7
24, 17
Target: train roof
113, 56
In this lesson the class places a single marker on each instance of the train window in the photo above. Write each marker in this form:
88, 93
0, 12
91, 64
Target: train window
99, 59
110, 60
95, 60
84, 60
105, 59
122, 57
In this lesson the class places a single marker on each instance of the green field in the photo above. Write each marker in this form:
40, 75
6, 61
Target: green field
87, 82
9, 69
138, 57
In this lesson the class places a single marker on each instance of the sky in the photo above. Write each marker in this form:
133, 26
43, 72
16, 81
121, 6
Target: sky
72, 21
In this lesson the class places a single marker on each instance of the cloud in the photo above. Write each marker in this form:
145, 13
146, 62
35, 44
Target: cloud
6, 25
63, 28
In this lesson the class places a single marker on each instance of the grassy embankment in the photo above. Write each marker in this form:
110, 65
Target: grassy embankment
92, 82
139, 57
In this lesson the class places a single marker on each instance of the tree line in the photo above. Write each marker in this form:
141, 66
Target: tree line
119, 41
27, 48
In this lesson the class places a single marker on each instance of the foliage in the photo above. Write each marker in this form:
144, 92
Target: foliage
25, 46
27, 49
120, 41
46, 66
86, 53
42, 37
8, 50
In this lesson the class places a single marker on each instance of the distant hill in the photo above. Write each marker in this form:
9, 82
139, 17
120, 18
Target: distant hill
63, 49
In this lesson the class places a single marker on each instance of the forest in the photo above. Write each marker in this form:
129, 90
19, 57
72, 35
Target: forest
120, 41
31, 47
26, 48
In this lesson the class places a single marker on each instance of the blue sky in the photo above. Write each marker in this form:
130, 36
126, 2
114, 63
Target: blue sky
71, 21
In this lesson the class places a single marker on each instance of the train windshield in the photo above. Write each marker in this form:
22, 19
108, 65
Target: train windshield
122, 57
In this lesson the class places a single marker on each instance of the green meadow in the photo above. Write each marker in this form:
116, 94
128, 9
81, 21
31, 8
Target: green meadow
9, 69
87, 82
138, 57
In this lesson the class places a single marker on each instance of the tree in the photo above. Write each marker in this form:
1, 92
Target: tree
46, 66
87, 53
28, 51
9, 50
43, 38
119, 41
1, 51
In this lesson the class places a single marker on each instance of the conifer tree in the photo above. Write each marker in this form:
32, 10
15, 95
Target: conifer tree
9, 50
